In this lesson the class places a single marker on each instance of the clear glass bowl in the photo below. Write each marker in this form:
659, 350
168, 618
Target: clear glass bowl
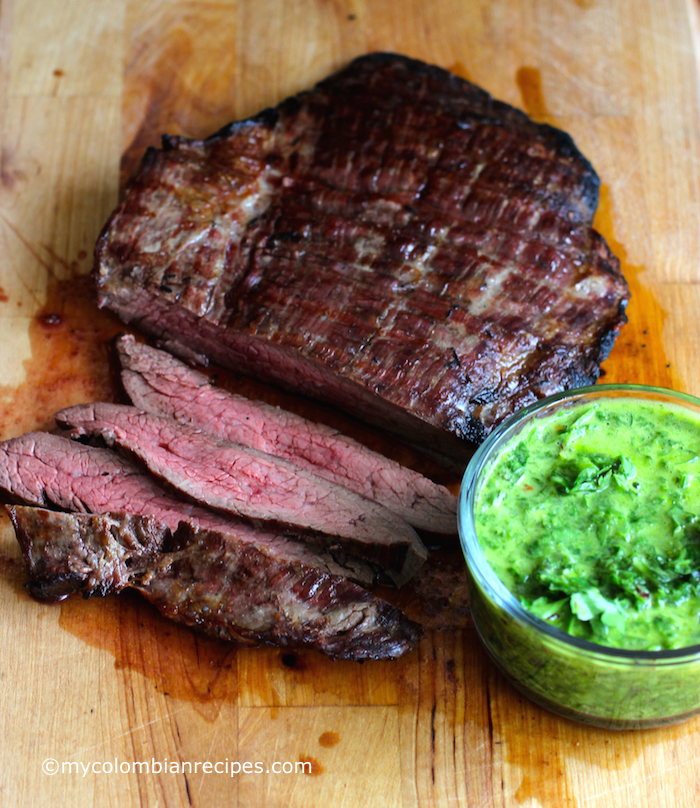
590, 683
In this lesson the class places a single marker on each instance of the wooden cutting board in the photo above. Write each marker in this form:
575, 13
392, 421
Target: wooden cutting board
100, 688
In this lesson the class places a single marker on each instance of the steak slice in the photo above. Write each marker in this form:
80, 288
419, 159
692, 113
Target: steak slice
393, 241
252, 484
158, 383
198, 577
48, 470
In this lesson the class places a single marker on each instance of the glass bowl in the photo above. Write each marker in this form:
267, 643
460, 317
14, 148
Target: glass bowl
575, 678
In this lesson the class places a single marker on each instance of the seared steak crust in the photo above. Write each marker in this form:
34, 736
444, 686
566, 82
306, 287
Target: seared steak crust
200, 578
394, 241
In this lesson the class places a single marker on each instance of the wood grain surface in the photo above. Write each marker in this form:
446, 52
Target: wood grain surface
85, 86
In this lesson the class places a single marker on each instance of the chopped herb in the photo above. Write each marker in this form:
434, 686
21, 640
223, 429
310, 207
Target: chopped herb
596, 527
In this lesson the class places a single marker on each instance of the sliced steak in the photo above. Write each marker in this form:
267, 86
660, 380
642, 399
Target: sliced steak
158, 383
51, 471
198, 577
252, 484
394, 241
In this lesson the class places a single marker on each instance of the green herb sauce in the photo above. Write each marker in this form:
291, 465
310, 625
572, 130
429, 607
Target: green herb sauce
592, 519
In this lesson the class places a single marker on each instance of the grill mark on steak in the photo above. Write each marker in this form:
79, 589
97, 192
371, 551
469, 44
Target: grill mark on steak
156, 382
394, 241
252, 484
199, 577
48, 470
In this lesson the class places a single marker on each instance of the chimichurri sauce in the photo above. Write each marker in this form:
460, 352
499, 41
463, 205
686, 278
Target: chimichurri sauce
591, 518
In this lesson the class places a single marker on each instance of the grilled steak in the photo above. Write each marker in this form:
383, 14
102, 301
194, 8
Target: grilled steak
51, 471
253, 484
200, 578
158, 383
394, 241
